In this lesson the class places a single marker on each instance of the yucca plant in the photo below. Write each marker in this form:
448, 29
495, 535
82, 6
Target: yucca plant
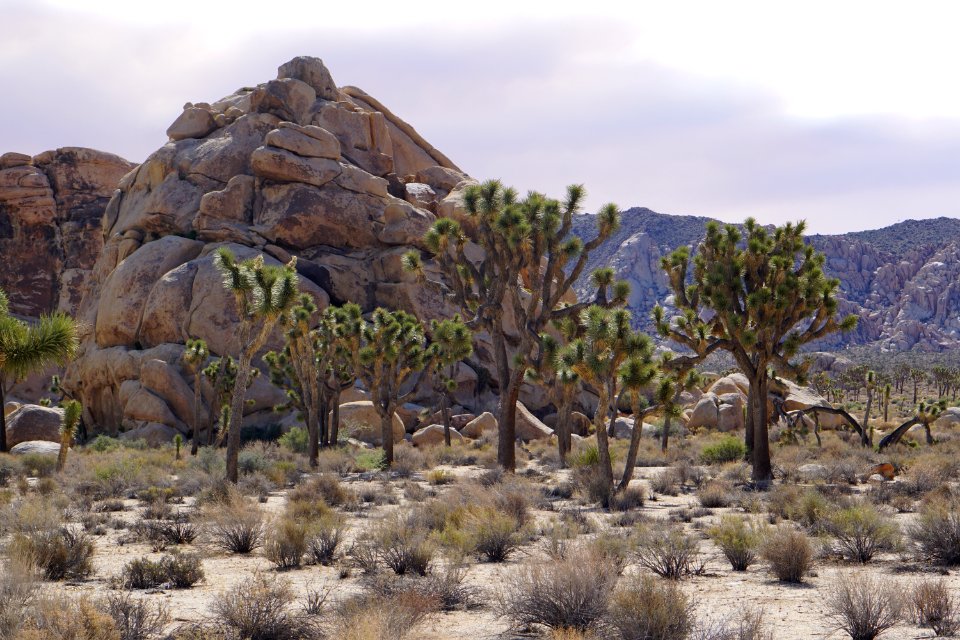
72, 412
869, 383
262, 294
25, 348
195, 357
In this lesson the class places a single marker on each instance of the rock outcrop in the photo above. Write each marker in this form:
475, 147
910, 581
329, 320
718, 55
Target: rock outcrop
51, 206
292, 167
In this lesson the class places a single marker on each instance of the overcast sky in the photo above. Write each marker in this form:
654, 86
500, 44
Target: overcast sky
846, 114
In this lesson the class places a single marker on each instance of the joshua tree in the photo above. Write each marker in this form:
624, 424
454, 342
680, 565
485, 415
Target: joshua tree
759, 296
901, 373
387, 351
943, 378
337, 374
557, 372
195, 357
677, 375
262, 294
222, 374
25, 348
72, 411
927, 413
529, 242
886, 402
607, 344
177, 443
917, 377
453, 342
869, 383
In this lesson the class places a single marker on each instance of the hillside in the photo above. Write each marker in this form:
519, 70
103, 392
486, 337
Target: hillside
902, 281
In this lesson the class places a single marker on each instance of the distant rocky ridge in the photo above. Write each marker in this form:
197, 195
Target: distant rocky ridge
902, 281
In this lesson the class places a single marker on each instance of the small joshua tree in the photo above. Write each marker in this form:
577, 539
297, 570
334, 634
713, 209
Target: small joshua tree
72, 412
387, 352
262, 294
452, 342
886, 402
195, 357
870, 384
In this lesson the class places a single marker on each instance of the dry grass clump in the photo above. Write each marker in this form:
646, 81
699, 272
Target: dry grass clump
933, 607
668, 551
862, 607
861, 531
17, 588
645, 608
58, 553
788, 553
629, 498
261, 608
286, 542
401, 545
235, 525
747, 624
68, 619
325, 539
444, 587
716, 494
324, 488
176, 530
440, 477
936, 533
369, 617
739, 540
665, 483
566, 594
178, 570
134, 618
492, 535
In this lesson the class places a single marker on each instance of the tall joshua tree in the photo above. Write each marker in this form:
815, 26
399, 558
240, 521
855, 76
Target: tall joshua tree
529, 242
262, 293
452, 342
917, 377
387, 352
72, 411
194, 358
638, 371
760, 296
886, 402
222, 374
676, 376
25, 348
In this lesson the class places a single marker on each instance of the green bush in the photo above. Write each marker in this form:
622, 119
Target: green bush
738, 539
102, 444
296, 440
726, 449
861, 531
371, 460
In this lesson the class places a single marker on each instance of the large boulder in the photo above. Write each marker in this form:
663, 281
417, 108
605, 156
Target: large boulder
529, 427
433, 434
33, 422
361, 421
730, 417
36, 447
153, 433
705, 414
733, 383
484, 423
948, 419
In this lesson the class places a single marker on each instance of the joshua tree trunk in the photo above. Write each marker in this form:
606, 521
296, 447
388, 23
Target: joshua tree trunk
197, 427
386, 434
915, 385
445, 410
866, 417
631, 462
236, 417
762, 471
603, 445
335, 418
667, 418
313, 434
506, 447
563, 423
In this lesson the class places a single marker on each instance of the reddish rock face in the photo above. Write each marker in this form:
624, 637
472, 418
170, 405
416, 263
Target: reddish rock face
50, 232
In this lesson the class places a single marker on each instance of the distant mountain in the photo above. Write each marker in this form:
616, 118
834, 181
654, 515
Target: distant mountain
902, 281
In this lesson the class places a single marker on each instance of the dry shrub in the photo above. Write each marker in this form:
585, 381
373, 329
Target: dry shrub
788, 554
566, 594
745, 625
492, 535
403, 546
935, 608
286, 543
862, 607
260, 608
611, 549
861, 531
368, 617
666, 482
58, 554
178, 529
324, 488
445, 588
326, 536
649, 609
936, 533
629, 498
668, 552
67, 619
134, 618
439, 477
17, 587
179, 570
739, 540
716, 494
235, 526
